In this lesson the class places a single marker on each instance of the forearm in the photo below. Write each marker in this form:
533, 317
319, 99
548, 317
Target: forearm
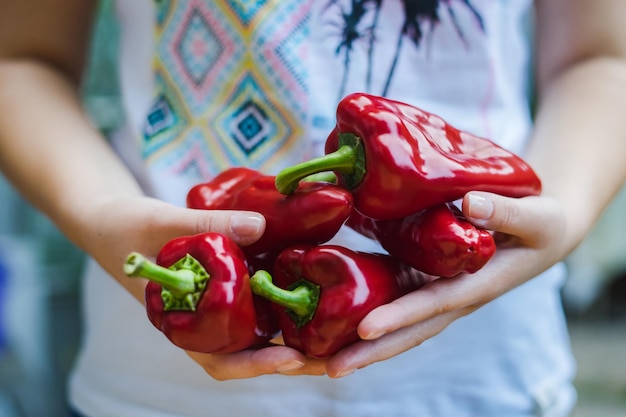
577, 149
579, 142
49, 149
55, 158
58, 161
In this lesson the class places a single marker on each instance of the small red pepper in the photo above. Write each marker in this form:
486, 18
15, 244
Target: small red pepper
325, 291
437, 240
397, 160
313, 214
199, 295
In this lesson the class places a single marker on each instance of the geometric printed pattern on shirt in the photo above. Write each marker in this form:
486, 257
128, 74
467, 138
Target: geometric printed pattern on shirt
231, 85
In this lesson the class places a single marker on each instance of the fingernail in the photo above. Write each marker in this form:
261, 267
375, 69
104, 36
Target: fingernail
290, 366
480, 207
246, 225
345, 373
374, 335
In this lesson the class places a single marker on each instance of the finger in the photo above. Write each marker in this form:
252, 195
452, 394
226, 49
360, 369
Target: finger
311, 367
463, 293
438, 297
315, 367
244, 227
367, 352
410, 320
250, 363
534, 220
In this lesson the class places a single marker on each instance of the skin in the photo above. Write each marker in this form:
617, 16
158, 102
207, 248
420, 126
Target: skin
577, 149
54, 157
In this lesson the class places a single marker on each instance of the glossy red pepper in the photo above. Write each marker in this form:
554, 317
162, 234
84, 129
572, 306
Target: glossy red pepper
397, 160
437, 240
313, 214
325, 291
199, 295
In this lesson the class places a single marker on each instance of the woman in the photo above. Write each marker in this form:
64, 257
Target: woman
490, 344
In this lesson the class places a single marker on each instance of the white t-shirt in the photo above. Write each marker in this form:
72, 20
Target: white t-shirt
212, 84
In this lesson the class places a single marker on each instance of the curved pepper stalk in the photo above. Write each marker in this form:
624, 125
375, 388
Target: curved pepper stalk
300, 299
348, 161
182, 284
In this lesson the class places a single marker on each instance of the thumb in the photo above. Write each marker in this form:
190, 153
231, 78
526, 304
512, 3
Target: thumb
244, 227
532, 219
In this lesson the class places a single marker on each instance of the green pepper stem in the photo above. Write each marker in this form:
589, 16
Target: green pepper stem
326, 176
300, 301
179, 282
342, 160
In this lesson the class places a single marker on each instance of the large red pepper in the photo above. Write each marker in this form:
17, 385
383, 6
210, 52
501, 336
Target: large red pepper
437, 240
199, 295
397, 160
325, 291
313, 214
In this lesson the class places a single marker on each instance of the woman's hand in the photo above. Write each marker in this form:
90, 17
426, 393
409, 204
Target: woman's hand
529, 233
113, 227
256, 362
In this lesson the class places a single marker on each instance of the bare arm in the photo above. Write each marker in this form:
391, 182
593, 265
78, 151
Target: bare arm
61, 164
48, 148
580, 137
578, 149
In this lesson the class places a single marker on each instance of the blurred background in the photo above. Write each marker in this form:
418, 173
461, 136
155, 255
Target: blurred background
40, 270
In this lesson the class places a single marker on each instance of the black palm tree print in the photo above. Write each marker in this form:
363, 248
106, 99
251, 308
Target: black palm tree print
377, 4
419, 16
352, 30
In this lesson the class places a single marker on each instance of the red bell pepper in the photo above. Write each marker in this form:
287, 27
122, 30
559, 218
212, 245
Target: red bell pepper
398, 160
325, 291
437, 240
313, 214
199, 295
